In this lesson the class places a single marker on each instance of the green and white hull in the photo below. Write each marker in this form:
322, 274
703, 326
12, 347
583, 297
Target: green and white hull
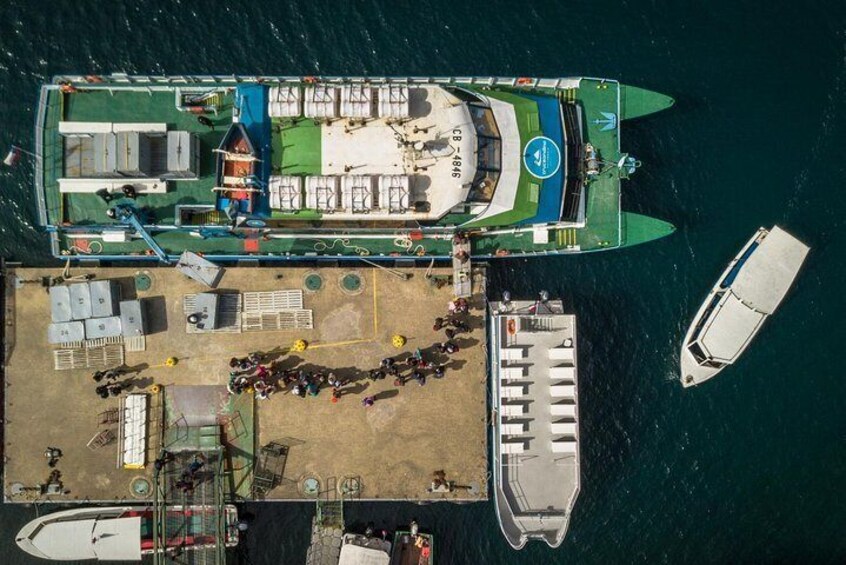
135, 167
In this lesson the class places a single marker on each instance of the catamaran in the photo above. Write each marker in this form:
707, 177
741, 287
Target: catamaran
267, 167
536, 470
748, 292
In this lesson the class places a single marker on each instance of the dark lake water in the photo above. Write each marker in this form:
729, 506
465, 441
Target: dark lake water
749, 468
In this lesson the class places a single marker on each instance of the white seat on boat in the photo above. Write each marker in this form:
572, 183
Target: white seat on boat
563, 410
512, 372
562, 373
512, 353
356, 101
394, 193
512, 409
513, 429
393, 101
285, 192
511, 391
512, 448
321, 101
561, 353
322, 193
564, 446
284, 102
357, 193
569, 428
563, 391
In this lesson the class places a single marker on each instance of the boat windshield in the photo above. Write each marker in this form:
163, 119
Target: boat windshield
489, 152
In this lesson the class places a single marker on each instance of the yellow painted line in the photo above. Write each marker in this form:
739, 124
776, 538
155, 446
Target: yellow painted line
339, 343
375, 308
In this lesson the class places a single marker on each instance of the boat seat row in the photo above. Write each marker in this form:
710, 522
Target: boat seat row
563, 372
357, 194
566, 410
512, 409
564, 446
563, 391
512, 372
512, 353
511, 391
513, 428
327, 101
561, 353
513, 448
565, 428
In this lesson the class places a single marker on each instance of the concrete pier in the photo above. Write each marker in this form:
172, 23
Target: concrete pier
389, 450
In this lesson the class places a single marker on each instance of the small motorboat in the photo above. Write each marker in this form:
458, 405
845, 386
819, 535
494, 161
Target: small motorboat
748, 292
412, 547
237, 183
125, 533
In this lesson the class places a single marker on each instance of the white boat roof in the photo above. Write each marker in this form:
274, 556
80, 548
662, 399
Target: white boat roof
114, 539
511, 160
768, 273
357, 555
730, 327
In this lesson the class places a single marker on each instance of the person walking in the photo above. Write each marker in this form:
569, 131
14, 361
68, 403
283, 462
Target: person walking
368, 401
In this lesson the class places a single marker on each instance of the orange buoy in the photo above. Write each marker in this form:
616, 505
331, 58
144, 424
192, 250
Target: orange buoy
68, 88
309, 80
416, 235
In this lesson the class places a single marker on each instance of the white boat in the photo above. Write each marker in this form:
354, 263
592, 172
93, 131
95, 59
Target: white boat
357, 549
124, 533
746, 294
536, 438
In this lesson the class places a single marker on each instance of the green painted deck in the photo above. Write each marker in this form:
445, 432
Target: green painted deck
296, 147
138, 107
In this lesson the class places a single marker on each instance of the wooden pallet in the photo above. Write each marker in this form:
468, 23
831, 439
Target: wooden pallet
273, 301
110, 355
277, 321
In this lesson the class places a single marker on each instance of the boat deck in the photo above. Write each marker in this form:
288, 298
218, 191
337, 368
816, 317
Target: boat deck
297, 148
392, 447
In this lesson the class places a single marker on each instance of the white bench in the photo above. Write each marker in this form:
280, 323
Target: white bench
562, 373
512, 409
512, 353
563, 391
564, 446
513, 429
569, 428
561, 353
511, 391
513, 448
512, 373
563, 410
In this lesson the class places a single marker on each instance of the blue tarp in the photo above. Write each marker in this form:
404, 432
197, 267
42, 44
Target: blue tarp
251, 99
552, 189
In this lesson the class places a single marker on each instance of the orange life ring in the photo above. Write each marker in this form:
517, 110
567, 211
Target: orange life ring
512, 327
93, 78
415, 235
309, 80
524, 80
68, 88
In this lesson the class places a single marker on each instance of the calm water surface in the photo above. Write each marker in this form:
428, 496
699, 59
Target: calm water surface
747, 469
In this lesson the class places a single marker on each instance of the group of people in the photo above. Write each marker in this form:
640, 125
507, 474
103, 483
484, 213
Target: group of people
248, 374
111, 386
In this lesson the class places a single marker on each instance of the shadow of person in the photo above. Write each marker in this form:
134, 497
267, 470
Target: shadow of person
386, 394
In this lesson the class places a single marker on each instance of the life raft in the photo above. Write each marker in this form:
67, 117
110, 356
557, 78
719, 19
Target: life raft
524, 80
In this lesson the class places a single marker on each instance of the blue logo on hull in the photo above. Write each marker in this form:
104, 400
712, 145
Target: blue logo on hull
542, 157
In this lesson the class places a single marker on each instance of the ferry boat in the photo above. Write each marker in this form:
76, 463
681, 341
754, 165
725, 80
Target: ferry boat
125, 533
267, 167
746, 294
536, 472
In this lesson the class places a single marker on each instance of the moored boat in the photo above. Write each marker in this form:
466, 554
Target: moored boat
125, 533
536, 470
339, 166
413, 547
749, 291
